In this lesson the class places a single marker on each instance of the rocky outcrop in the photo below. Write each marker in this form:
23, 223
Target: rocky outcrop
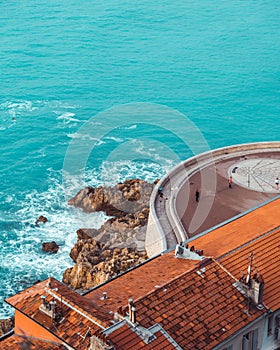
120, 242
129, 197
50, 247
6, 325
95, 263
128, 203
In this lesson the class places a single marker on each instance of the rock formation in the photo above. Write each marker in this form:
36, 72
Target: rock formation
120, 243
128, 203
42, 219
129, 197
95, 263
50, 247
6, 325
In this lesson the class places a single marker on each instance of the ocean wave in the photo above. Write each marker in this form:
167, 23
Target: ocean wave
22, 106
116, 139
118, 171
21, 258
13, 106
132, 127
67, 118
85, 137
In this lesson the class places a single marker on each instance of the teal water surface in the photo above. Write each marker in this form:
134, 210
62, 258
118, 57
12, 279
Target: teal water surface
64, 62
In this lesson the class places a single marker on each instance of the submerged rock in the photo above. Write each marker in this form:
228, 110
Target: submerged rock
50, 247
42, 219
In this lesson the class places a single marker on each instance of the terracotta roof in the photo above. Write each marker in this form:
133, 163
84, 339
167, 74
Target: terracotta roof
266, 262
125, 338
223, 239
76, 319
16, 342
195, 302
139, 281
199, 308
213, 308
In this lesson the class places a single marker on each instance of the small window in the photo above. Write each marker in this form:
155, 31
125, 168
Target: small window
269, 325
250, 340
246, 342
277, 328
255, 336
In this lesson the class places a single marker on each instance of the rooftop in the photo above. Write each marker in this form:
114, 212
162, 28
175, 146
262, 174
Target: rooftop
126, 338
200, 308
139, 281
78, 313
17, 342
206, 288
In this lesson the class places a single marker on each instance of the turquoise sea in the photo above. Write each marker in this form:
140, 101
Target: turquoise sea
94, 93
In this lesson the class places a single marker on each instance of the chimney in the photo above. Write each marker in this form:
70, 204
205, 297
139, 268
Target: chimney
182, 251
257, 288
43, 298
252, 284
104, 296
53, 306
131, 311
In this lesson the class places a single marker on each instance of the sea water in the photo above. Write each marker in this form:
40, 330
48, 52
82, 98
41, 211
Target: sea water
94, 93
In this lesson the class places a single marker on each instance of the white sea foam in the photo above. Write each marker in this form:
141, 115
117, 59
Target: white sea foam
9, 199
85, 137
18, 106
131, 127
67, 118
116, 139
118, 171
21, 258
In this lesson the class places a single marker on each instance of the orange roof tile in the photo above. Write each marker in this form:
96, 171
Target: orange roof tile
199, 309
266, 262
79, 314
125, 338
139, 281
16, 342
239, 231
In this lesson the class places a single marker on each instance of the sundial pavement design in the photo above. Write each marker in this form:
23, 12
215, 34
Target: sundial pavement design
256, 174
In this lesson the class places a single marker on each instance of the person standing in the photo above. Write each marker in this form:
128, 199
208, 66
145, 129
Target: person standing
276, 183
197, 196
230, 182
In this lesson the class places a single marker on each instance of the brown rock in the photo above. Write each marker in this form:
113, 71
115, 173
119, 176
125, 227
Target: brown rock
104, 253
75, 251
42, 219
6, 325
91, 269
114, 201
50, 247
85, 233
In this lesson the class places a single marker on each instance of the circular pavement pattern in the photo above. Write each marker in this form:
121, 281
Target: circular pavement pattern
256, 174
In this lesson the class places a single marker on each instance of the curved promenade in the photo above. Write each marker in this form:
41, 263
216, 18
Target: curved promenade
176, 215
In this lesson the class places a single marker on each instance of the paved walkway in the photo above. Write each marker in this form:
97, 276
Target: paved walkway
253, 183
178, 216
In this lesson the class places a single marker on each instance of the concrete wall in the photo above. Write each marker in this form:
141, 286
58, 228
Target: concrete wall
160, 223
265, 341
